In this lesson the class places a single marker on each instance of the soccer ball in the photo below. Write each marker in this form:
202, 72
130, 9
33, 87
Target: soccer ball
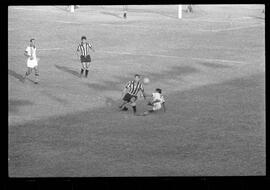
146, 80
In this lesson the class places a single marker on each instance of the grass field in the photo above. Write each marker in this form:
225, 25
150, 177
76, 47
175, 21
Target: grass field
210, 65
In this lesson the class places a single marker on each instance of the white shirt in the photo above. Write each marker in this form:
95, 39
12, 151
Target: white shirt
158, 96
31, 51
157, 105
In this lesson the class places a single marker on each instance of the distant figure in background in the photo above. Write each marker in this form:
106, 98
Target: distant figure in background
84, 49
32, 60
125, 8
189, 9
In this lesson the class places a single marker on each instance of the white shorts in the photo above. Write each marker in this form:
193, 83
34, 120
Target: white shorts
32, 63
157, 106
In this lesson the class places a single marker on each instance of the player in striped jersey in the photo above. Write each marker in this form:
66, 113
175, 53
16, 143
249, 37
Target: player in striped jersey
130, 93
84, 49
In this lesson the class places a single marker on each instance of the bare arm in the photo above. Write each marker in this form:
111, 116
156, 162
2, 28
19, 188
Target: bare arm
145, 95
91, 47
26, 54
125, 90
156, 101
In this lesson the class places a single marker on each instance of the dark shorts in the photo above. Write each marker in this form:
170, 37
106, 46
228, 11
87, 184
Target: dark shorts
128, 97
85, 58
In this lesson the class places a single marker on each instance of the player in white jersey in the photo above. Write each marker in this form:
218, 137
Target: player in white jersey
157, 102
32, 60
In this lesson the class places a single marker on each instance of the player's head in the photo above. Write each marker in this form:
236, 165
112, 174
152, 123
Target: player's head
83, 38
32, 41
137, 77
158, 90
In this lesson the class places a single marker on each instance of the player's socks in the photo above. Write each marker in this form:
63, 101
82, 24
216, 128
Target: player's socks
86, 73
122, 105
82, 72
134, 109
124, 108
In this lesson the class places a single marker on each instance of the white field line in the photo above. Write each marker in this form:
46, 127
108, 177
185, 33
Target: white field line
49, 49
178, 57
218, 20
158, 55
29, 9
234, 28
66, 22
104, 24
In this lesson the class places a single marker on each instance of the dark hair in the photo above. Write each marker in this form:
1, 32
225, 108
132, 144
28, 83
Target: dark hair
137, 75
32, 39
159, 90
83, 38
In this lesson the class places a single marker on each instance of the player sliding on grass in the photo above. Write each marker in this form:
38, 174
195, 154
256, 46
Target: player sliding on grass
84, 49
32, 60
157, 102
130, 92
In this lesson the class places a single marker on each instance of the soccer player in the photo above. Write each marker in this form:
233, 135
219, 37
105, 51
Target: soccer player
130, 92
84, 49
157, 102
125, 8
32, 62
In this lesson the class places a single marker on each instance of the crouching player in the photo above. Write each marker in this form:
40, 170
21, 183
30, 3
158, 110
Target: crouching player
157, 102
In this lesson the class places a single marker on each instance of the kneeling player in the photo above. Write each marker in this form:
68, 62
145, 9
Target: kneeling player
157, 102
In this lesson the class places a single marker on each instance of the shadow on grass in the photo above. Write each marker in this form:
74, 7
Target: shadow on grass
172, 73
55, 98
13, 105
68, 70
16, 75
105, 134
120, 81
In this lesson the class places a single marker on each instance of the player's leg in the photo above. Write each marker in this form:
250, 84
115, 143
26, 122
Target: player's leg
36, 74
156, 107
133, 104
126, 100
82, 69
123, 106
125, 7
146, 113
87, 64
28, 72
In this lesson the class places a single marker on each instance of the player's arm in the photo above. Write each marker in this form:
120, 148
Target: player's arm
26, 54
125, 90
78, 48
77, 52
156, 101
91, 47
143, 92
